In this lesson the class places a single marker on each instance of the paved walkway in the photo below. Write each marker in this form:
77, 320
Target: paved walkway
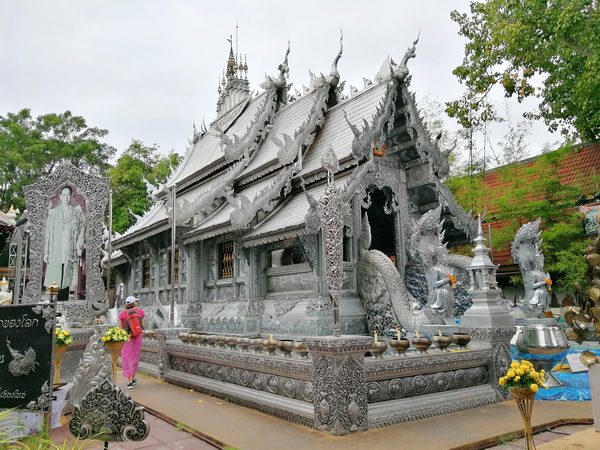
225, 423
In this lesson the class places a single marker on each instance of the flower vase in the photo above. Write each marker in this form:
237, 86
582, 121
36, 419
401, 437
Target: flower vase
114, 348
525, 398
59, 352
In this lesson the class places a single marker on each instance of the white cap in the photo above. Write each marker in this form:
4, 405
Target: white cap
130, 300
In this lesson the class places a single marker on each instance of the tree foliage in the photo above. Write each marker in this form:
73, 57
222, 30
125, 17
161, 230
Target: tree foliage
529, 191
34, 147
533, 48
130, 195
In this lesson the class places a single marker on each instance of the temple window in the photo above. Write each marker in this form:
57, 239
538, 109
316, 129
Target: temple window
146, 272
287, 256
226, 259
347, 247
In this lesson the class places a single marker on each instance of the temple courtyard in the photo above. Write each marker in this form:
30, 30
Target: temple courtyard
214, 423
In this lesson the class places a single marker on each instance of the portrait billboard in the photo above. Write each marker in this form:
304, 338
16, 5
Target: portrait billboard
67, 211
64, 244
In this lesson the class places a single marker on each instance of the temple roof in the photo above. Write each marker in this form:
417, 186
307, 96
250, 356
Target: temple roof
255, 153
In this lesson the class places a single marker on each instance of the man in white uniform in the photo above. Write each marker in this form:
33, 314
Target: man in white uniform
65, 237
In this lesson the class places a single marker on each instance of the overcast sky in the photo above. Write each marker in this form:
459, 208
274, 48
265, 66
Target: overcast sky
147, 69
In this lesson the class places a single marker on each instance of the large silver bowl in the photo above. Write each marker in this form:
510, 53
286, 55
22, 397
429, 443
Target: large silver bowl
540, 341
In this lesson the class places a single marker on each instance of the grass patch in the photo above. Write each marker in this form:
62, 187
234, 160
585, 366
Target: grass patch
507, 439
181, 427
39, 441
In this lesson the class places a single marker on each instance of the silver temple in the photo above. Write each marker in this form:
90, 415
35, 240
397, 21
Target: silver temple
310, 217
316, 217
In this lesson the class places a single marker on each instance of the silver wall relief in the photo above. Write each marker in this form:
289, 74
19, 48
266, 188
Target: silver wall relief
22, 362
86, 197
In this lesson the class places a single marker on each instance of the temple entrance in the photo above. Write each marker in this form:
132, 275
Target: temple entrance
382, 224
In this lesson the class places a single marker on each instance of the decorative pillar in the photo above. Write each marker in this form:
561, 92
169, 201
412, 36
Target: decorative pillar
340, 389
162, 357
488, 323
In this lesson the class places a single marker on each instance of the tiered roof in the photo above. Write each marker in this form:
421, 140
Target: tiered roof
250, 161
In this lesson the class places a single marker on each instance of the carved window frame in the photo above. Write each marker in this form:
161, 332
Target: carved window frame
95, 190
146, 273
226, 260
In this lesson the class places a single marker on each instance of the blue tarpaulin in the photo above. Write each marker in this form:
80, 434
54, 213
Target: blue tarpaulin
576, 385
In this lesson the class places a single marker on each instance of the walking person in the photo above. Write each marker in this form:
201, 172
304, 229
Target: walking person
130, 354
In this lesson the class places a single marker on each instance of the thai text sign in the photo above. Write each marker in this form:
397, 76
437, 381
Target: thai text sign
26, 341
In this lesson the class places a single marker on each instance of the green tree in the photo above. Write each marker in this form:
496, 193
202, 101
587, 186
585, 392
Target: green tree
34, 147
533, 48
130, 194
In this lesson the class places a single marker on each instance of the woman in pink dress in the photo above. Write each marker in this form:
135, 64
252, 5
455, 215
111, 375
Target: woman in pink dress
130, 354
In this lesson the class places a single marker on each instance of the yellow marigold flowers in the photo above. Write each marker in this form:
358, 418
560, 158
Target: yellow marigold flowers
522, 375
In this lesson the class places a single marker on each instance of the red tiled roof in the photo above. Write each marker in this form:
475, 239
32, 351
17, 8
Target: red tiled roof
574, 168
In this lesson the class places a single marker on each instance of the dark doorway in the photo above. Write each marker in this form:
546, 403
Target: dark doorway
382, 224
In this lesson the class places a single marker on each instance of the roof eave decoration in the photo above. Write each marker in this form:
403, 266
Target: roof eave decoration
238, 149
276, 88
244, 210
152, 191
460, 219
142, 227
234, 148
207, 201
333, 80
290, 149
428, 150
275, 236
363, 142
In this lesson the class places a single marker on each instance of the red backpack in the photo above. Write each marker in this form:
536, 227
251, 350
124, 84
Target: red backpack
133, 323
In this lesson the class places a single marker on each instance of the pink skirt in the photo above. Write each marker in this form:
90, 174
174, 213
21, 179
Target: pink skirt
130, 356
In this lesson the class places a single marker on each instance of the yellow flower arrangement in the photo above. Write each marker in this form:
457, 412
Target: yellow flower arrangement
115, 334
62, 337
523, 375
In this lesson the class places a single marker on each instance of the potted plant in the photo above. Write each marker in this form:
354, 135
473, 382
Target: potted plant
524, 381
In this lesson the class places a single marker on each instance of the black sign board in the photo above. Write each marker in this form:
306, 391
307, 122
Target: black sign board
26, 342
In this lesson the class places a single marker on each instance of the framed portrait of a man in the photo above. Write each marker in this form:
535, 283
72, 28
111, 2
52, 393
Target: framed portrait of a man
64, 244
